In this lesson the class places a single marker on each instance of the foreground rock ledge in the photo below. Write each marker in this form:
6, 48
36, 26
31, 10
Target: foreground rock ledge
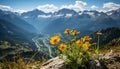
54, 63
112, 62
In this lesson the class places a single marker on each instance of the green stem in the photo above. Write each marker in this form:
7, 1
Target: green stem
98, 42
98, 45
74, 66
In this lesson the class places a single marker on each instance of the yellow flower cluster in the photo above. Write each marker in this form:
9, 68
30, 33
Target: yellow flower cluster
72, 32
76, 50
75, 32
86, 45
83, 42
87, 38
54, 40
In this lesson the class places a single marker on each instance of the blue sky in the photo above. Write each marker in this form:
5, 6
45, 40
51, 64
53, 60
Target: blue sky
57, 4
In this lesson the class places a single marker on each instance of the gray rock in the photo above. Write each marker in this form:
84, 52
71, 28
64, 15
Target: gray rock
96, 64
57, 63
54, 63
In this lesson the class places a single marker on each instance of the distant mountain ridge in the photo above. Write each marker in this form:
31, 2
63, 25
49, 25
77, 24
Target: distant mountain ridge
15, 35
64, 11
15, 30
32, 14
87, 20
16, 20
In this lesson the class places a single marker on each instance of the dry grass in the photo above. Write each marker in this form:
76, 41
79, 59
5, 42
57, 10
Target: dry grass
106, 49
21, 63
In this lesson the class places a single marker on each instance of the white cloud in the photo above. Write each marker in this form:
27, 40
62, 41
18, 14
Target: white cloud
44, 16
47, 8
6, 8
111, 6
79, 5
94, 7
20, 11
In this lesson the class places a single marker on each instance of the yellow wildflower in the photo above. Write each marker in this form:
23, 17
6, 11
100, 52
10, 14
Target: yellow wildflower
88, 44
81, 53
62, 47
87, 38
75, 32
67, 31
84, 46
79, 43
55, 40
83, 39
99, 33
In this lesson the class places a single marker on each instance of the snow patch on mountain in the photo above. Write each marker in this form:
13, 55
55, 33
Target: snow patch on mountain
59, 15
26, 17
44, 16
68, 15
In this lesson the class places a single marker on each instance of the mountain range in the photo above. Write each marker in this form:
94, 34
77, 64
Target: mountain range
90, 21
16, 20
15, 30
15, 34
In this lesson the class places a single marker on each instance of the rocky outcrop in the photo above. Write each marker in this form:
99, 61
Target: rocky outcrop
54, 63
57, 63
96, 64
112, 61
